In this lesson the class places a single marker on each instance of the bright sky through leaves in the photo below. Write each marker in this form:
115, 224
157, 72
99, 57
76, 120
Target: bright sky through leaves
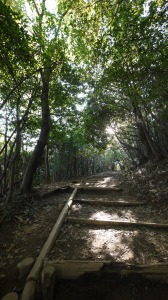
51, 5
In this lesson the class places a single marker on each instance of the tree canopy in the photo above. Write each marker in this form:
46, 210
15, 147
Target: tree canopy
69, 71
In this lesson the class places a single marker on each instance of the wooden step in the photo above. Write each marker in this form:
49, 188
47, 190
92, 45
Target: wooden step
69, 269
114, 223
99, 188
109, 203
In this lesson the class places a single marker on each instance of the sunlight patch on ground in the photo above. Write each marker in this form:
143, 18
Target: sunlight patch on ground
107, 179
116, 244
100, 215
126, 215
104, 182
97, 183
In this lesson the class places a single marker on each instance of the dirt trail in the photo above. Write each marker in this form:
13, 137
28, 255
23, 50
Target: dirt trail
25, 234
131, 244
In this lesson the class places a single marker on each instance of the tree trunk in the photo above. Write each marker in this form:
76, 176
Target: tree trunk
13, 164
151, 148
43, 138
47, 166
5, 154
16, 153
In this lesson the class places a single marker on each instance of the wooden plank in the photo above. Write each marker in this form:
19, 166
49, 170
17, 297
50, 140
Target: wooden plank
114, 223
99, 188
74, 269
69, 269
57, 190
94, 180
109, 203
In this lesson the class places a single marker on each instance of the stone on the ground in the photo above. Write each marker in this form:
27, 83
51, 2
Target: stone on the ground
10, 296
24, 267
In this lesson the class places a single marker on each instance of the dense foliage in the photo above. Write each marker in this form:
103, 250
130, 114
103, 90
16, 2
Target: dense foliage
69, 72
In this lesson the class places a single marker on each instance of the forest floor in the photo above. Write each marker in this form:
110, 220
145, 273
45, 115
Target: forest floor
26, 229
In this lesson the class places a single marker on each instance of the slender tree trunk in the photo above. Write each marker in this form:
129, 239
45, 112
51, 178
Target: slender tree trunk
5, 154
151, 148
43, 138
47, 167
3, 173
13, 165
93, 165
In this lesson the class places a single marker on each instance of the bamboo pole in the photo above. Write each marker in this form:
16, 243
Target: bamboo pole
30, 286
114, 222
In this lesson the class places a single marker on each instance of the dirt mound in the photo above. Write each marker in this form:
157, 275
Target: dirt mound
150, 182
